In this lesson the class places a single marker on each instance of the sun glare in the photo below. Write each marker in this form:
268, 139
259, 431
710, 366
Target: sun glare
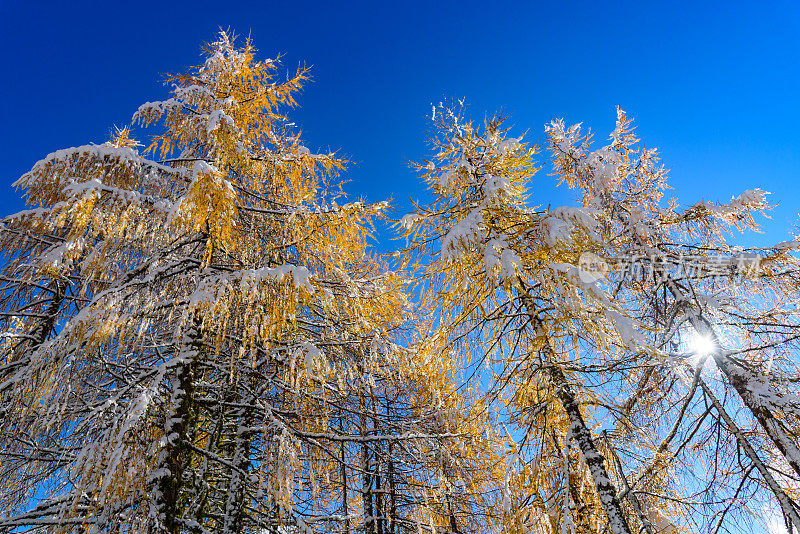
702, 345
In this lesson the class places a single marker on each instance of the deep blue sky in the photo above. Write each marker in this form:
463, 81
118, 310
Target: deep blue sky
714, 86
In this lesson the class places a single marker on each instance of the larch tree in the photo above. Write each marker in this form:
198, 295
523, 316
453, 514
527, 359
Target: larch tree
718, 324
616, 312
197, 338
201, 341
500, 276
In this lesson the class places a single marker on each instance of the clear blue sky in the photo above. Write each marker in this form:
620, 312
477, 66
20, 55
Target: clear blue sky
713, 85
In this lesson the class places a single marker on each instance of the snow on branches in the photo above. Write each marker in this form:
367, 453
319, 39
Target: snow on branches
195, 335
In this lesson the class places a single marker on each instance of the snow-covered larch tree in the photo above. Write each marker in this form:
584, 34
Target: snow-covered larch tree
501, 275
716, 328
623, 313
196, 338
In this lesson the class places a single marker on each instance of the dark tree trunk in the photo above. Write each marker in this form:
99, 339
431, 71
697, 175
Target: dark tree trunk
235, 504
578, 430
595, 461
366, 469
169, 481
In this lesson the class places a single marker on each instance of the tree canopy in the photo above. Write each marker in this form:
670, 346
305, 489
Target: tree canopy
198, 337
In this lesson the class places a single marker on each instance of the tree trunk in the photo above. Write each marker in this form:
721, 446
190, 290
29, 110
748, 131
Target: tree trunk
169, 478
578, 431
595, 461
343, 460
787, 506
345, 507
392, 493
235, 504
366, 469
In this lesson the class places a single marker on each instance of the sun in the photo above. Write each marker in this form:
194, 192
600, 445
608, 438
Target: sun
701, 345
